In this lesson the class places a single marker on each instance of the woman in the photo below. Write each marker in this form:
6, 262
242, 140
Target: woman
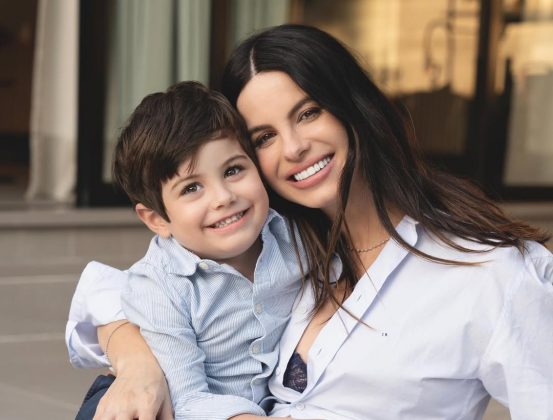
443, 300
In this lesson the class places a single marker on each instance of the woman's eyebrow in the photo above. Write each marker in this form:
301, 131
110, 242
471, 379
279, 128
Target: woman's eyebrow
258, 128
298, 105
290, 114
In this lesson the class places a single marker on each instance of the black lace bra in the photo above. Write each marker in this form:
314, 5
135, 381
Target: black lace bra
295, 375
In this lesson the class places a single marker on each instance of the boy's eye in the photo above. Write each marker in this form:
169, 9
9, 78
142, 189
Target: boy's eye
262, 139
309, 114
191, 188
233, 170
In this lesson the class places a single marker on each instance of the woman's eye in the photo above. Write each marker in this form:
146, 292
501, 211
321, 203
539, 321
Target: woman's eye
261, 140
233, 170
309, 114
191, 188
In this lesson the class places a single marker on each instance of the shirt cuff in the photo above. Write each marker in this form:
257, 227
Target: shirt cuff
82, 345
97, 301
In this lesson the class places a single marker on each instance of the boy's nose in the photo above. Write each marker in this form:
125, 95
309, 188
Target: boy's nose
223, 197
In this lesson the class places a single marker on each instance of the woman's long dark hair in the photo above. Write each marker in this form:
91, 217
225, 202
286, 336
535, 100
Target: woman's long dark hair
389, 159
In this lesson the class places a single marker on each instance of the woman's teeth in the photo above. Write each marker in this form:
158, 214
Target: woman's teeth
312, 170
229, 220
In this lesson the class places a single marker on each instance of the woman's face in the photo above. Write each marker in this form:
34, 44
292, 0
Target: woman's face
301, 147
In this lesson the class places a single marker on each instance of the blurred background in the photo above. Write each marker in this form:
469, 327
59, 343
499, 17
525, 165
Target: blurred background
476, 77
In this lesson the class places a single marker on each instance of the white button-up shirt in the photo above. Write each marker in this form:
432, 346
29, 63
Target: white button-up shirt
436, 340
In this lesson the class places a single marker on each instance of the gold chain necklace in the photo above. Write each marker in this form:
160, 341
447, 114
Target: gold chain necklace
378, 245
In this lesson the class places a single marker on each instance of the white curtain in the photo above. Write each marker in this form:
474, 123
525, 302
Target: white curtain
153, 45
54, 103
157, 44
251, 15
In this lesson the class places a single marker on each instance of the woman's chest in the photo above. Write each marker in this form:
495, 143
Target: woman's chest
411, 347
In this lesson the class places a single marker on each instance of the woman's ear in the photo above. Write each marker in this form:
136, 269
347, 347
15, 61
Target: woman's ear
154, 221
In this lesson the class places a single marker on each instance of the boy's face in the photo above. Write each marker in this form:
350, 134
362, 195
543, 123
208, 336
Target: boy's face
218, 208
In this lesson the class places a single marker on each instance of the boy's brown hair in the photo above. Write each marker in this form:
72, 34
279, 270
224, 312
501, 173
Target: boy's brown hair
166, 129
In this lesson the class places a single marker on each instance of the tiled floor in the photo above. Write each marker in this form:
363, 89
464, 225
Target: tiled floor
38, 274
36, 380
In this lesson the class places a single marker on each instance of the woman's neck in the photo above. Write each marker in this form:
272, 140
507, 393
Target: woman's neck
367, 233
361, 216
364, 225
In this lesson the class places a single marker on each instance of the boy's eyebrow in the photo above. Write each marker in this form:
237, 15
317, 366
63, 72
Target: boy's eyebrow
225, 163
181, 181
233, 157
290, 114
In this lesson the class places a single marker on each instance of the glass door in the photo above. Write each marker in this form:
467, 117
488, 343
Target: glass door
525, 68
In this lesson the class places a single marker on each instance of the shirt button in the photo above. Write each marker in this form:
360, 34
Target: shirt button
300, 406
258, 308
203, 265
255, 349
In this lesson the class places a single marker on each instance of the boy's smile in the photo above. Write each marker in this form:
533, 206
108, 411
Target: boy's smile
217, 206
230, 221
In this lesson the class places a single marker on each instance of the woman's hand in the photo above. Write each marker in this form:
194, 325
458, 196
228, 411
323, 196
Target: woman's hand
139, 390
137, 393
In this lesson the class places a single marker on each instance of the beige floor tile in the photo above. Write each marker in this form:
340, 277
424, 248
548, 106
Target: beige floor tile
37, 381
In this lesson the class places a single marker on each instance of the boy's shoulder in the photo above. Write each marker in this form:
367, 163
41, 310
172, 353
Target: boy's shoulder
163, 274
166, 264
168, 257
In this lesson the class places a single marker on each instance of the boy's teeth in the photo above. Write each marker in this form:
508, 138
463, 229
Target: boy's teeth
229, 220
312, 170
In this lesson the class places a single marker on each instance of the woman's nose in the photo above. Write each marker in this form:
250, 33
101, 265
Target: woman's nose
295, 146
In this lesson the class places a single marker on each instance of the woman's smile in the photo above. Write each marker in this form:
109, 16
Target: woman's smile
311, 169
312, 174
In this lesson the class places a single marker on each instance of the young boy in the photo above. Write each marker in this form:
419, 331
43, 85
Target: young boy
216, 287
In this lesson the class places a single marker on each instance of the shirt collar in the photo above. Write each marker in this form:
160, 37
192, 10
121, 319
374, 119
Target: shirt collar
178, 260
183, 262
276, 225
407, 228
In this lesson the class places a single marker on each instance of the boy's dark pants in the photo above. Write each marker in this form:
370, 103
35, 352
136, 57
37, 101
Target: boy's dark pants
93, 396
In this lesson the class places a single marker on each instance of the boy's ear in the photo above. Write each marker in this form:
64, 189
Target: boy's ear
154, 221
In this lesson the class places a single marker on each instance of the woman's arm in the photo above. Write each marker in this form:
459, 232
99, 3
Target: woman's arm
517, 368
140, 389
95, 315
